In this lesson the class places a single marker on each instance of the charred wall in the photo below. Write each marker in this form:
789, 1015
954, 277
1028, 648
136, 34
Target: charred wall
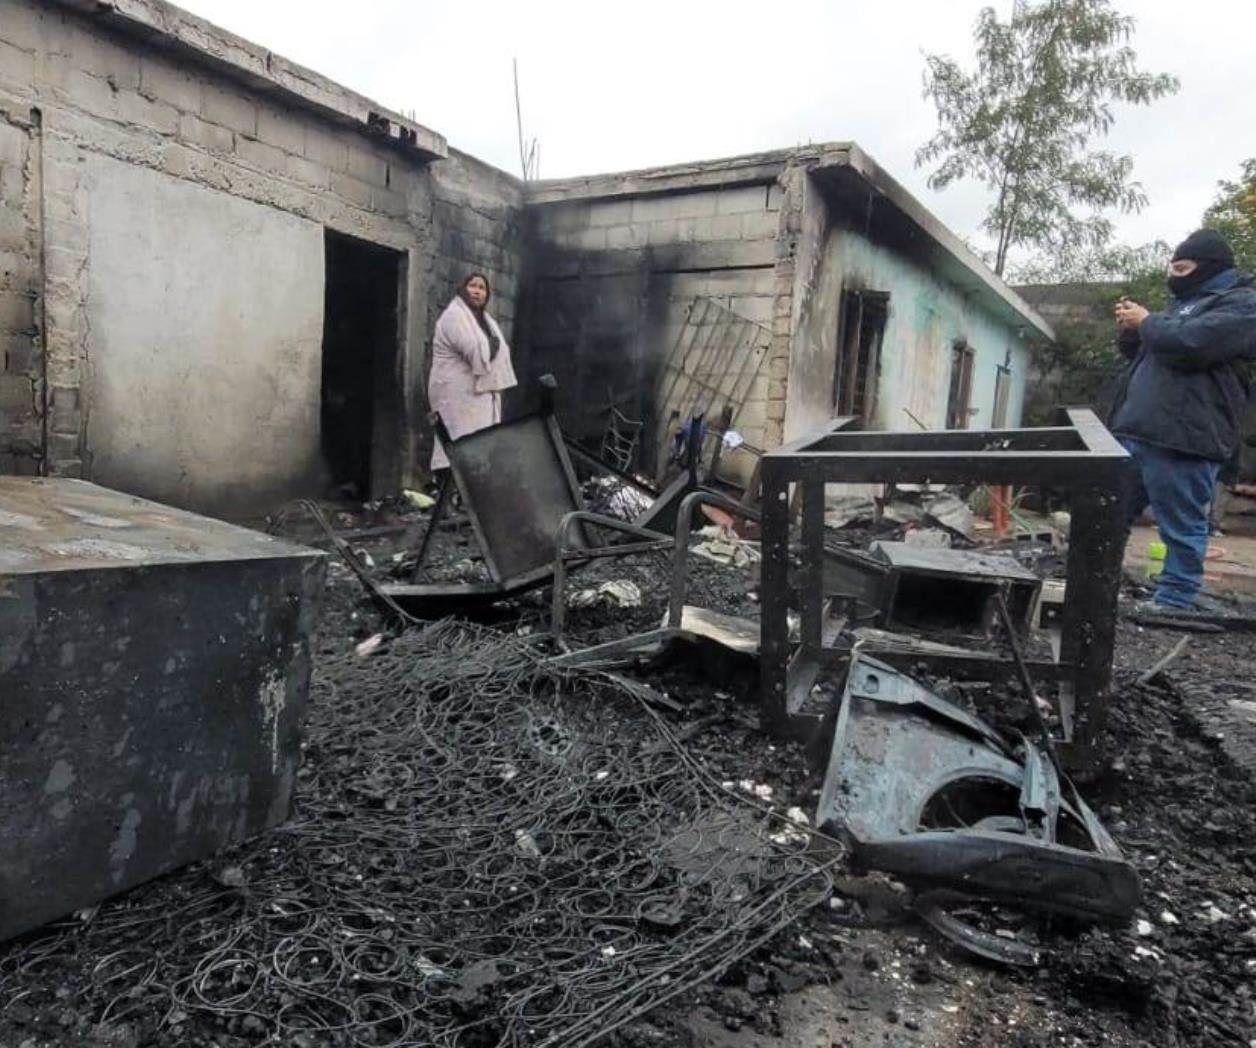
611, 282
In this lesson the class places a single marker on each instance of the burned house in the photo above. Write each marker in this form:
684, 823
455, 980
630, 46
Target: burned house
220, 271
778, 291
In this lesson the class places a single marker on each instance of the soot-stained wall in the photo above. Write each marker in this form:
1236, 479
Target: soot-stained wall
927, 316
611, 282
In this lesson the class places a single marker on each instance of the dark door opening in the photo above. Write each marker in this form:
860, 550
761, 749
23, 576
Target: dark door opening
857, 375
361, 398
959, 397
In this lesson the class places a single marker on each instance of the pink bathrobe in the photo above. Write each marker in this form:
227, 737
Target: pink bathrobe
466, 383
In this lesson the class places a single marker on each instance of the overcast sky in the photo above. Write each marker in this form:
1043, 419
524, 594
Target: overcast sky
610, 87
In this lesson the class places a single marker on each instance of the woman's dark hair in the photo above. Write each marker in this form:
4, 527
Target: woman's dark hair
488, 288
494, 343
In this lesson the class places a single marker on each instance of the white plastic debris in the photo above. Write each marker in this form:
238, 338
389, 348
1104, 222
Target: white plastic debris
795, 829
758, 789
526, 843
618, 593
1144, 928
1168, 918
732, 439
1146, 953
426, 967
418, 499
369, 646
608, 951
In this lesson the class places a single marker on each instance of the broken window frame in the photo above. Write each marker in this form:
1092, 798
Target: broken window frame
857, 362
959, 396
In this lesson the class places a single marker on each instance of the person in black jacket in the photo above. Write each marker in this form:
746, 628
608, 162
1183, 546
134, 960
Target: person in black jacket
1181, 406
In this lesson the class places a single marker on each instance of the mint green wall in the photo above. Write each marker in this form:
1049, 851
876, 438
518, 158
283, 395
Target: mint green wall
926, 315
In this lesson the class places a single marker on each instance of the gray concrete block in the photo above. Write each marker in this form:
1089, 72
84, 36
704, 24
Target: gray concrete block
99, 55
666, 231
163, 82
230, 108
307, 172
23, 27
260, 154
625, 237
760, 225
157, 116
198, 132
281, 128
603, 212
19, 356
682, 205
726, 227
17, 393
742, 199
70, 234
369, 166
63, 263
63, 402
17, 66
327, 147
92, 93
352, 189
390, 202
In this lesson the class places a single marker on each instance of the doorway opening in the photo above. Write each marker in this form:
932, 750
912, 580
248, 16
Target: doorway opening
361, 390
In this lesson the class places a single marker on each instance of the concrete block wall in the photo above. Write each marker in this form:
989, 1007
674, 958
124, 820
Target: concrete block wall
478, 226
21, 371
611, 283
101, 93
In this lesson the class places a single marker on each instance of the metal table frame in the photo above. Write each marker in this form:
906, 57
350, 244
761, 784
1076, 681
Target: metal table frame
1078, 455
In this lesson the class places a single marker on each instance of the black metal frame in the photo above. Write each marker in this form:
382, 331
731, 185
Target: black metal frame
653, 640
447, 596
1079, 456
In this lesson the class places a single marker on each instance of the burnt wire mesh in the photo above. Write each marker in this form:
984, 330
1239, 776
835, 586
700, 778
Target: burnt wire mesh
483, 853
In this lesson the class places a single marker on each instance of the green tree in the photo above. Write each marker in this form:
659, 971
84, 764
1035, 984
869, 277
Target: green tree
1023, 121
1233, 214
1082, 365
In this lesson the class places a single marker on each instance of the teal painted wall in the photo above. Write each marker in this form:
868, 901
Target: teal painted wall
927, 314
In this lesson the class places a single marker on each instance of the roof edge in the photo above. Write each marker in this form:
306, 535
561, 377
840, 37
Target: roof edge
748, 168
167, 26
882, 183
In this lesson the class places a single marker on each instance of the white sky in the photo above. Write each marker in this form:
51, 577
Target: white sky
610, 87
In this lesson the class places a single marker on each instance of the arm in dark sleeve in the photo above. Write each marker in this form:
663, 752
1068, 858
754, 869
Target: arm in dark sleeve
1219, 336
1128, 342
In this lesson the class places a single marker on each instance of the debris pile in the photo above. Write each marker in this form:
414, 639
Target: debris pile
484, 852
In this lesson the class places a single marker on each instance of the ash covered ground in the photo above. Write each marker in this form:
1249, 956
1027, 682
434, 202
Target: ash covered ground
242, 950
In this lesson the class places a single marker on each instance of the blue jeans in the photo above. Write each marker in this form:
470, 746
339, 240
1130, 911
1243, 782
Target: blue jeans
1179, 489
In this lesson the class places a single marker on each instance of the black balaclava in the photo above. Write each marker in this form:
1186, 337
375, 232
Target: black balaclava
1212, 255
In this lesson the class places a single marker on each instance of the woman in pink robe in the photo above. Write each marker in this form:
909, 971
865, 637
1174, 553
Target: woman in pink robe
470, 366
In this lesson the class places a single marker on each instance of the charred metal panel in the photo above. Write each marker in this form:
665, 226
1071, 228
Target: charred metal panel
154, 668
932, 794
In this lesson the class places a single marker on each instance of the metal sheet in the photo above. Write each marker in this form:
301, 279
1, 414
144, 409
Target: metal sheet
897, 747
517, 485
152, 704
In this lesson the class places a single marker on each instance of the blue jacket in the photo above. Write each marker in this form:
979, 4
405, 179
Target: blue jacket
1190, 371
